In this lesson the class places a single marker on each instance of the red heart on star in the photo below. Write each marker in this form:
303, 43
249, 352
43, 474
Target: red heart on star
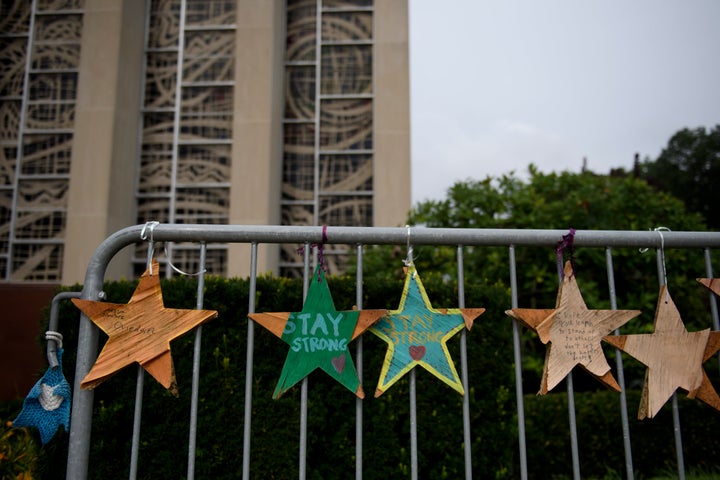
417, 352
339, 363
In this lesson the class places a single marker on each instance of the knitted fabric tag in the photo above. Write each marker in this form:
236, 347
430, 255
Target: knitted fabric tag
47, 406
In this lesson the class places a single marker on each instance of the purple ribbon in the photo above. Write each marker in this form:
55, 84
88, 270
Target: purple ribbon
321, 257
565, 243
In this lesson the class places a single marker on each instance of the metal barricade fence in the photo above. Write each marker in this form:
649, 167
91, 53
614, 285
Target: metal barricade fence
82, 407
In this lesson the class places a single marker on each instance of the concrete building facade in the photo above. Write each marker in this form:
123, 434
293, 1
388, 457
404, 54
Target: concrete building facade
247, 112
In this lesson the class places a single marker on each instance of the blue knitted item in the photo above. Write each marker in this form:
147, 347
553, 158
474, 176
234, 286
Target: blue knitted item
47, 406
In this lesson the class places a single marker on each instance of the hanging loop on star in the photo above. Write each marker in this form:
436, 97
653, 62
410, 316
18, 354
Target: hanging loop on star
565, 244
147, 234
320, 252
181, 272
409, 258
661, 251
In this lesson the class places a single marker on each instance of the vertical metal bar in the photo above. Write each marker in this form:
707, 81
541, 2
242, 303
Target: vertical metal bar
359, 365
620, 371
139, 387
662, 275
678, 438
249, 360
519, 395
304, 384
713, 302
137, 417
82, 401
412, 398
573, 427
467, 440
413, 428
51, 349
571, 408
194, 400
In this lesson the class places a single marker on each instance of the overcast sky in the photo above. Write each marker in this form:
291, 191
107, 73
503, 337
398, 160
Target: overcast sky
499, 84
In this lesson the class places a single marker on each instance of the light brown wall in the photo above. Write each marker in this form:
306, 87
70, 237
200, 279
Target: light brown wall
392, 114
257, 129
105, 143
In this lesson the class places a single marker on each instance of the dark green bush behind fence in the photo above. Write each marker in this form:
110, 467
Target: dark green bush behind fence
331, 408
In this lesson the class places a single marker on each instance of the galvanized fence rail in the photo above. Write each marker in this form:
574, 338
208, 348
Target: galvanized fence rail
81, 418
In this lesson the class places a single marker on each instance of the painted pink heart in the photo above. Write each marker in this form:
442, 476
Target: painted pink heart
339, 363
416, 352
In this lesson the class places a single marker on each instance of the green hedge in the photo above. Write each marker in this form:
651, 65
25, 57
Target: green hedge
599, 426
331, 408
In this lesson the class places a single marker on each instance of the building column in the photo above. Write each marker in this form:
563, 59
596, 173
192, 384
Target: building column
391, 136
257, 130
105, 143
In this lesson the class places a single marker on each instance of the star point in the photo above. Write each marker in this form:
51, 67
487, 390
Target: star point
713, 284
139, 331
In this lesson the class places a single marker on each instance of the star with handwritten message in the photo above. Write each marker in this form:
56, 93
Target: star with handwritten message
572, 334
318, 336
417, 334
673, 357
140, 331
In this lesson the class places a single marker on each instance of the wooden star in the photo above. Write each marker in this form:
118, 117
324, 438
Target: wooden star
572, 334
318, 336
674, 358
417, 334
139, 331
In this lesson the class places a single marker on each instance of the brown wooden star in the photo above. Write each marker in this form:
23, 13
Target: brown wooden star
674, 358
139, 331
572, 334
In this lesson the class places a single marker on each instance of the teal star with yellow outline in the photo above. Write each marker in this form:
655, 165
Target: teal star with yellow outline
417, 334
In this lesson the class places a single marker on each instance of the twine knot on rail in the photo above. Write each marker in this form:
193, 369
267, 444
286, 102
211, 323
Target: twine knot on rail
562, 245
320, 252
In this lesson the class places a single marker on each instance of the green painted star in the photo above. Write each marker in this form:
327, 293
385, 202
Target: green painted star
318, 337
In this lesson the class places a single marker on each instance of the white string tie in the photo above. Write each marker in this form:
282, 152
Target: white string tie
147, 234
169, 262
409, 258
659, 231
